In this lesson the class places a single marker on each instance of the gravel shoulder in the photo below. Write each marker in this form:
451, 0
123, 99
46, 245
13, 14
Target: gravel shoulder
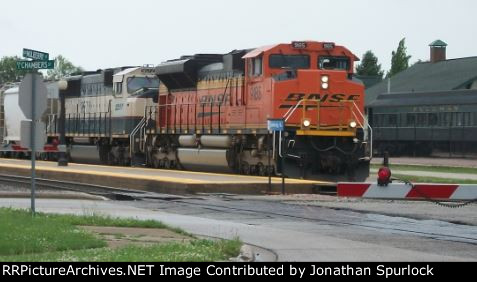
412, 209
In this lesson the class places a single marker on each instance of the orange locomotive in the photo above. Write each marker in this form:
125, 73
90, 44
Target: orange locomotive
213, 111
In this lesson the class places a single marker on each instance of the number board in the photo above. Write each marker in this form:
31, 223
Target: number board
299, 44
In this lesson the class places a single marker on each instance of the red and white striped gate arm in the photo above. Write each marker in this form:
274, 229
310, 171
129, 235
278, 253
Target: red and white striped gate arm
408, 191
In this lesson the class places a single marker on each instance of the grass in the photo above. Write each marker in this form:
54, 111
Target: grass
53, 237
448, 169
20, 233
196, 250
429, 179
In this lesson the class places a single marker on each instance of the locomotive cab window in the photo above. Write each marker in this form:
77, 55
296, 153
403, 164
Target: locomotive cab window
333, 63
118, 88
279, 61
255, 66
136, 83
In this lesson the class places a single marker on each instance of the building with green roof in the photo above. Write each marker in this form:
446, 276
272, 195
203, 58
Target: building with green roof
438, 74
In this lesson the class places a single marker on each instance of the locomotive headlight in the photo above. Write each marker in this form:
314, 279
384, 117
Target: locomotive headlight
324, 85
306, 122
352, 124
324, 78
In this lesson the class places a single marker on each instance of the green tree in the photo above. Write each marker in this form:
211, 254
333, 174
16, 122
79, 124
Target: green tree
63, 68
369, 65
399, 60
8, 70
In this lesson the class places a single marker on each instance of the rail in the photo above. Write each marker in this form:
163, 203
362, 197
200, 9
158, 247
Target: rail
97, 123
113, 193
170, 116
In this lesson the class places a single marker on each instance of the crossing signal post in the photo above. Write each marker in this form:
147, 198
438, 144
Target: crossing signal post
275, 125
32, 100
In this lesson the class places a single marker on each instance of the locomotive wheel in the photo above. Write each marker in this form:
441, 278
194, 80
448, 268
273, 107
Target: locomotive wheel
156, 163
245, 168
261, 169
173, 164
253, 170
167, 163
270, 170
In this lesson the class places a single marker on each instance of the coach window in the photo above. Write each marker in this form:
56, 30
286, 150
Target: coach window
457, 119
445, 119
421, 119
410, 119
392, 120
467, 119
432, 119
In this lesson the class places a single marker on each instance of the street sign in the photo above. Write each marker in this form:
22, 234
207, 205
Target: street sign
35, 55
276, 124
25, 96
25, 134
32, 101
35, 65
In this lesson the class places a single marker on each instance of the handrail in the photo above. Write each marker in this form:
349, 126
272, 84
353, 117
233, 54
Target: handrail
368, 126
365, 125
138, 127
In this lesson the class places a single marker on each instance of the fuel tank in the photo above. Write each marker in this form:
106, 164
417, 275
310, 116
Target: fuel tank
215, 160
84, 154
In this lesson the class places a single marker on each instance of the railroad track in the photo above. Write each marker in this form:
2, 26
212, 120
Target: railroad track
229, 205
99, 190
374, 224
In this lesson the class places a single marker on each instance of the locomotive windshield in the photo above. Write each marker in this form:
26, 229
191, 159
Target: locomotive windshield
333, 63
136, 83
289, 61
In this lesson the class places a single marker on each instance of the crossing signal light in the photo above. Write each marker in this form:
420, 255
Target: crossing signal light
384, 176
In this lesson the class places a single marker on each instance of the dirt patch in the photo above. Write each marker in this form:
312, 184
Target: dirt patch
121, 236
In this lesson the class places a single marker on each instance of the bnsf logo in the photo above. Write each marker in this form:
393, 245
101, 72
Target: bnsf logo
295, 97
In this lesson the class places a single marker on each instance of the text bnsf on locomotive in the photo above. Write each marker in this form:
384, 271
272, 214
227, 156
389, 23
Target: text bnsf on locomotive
210, 112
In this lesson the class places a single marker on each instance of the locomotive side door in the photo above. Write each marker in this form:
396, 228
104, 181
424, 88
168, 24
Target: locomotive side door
237, 103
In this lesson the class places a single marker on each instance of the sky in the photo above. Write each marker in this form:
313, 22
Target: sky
98, 34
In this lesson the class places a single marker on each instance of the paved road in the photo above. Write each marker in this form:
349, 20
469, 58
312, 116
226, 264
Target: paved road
293, 232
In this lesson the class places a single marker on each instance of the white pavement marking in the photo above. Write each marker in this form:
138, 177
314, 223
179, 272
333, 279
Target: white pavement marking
289, 245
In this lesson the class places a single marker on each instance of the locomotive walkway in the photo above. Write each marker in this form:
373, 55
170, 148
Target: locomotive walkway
158, 180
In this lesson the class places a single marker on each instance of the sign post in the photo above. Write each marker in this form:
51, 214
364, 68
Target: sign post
275, 125
32, 106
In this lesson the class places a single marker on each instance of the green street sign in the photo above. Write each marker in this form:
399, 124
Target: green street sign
35, 65
35, 55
